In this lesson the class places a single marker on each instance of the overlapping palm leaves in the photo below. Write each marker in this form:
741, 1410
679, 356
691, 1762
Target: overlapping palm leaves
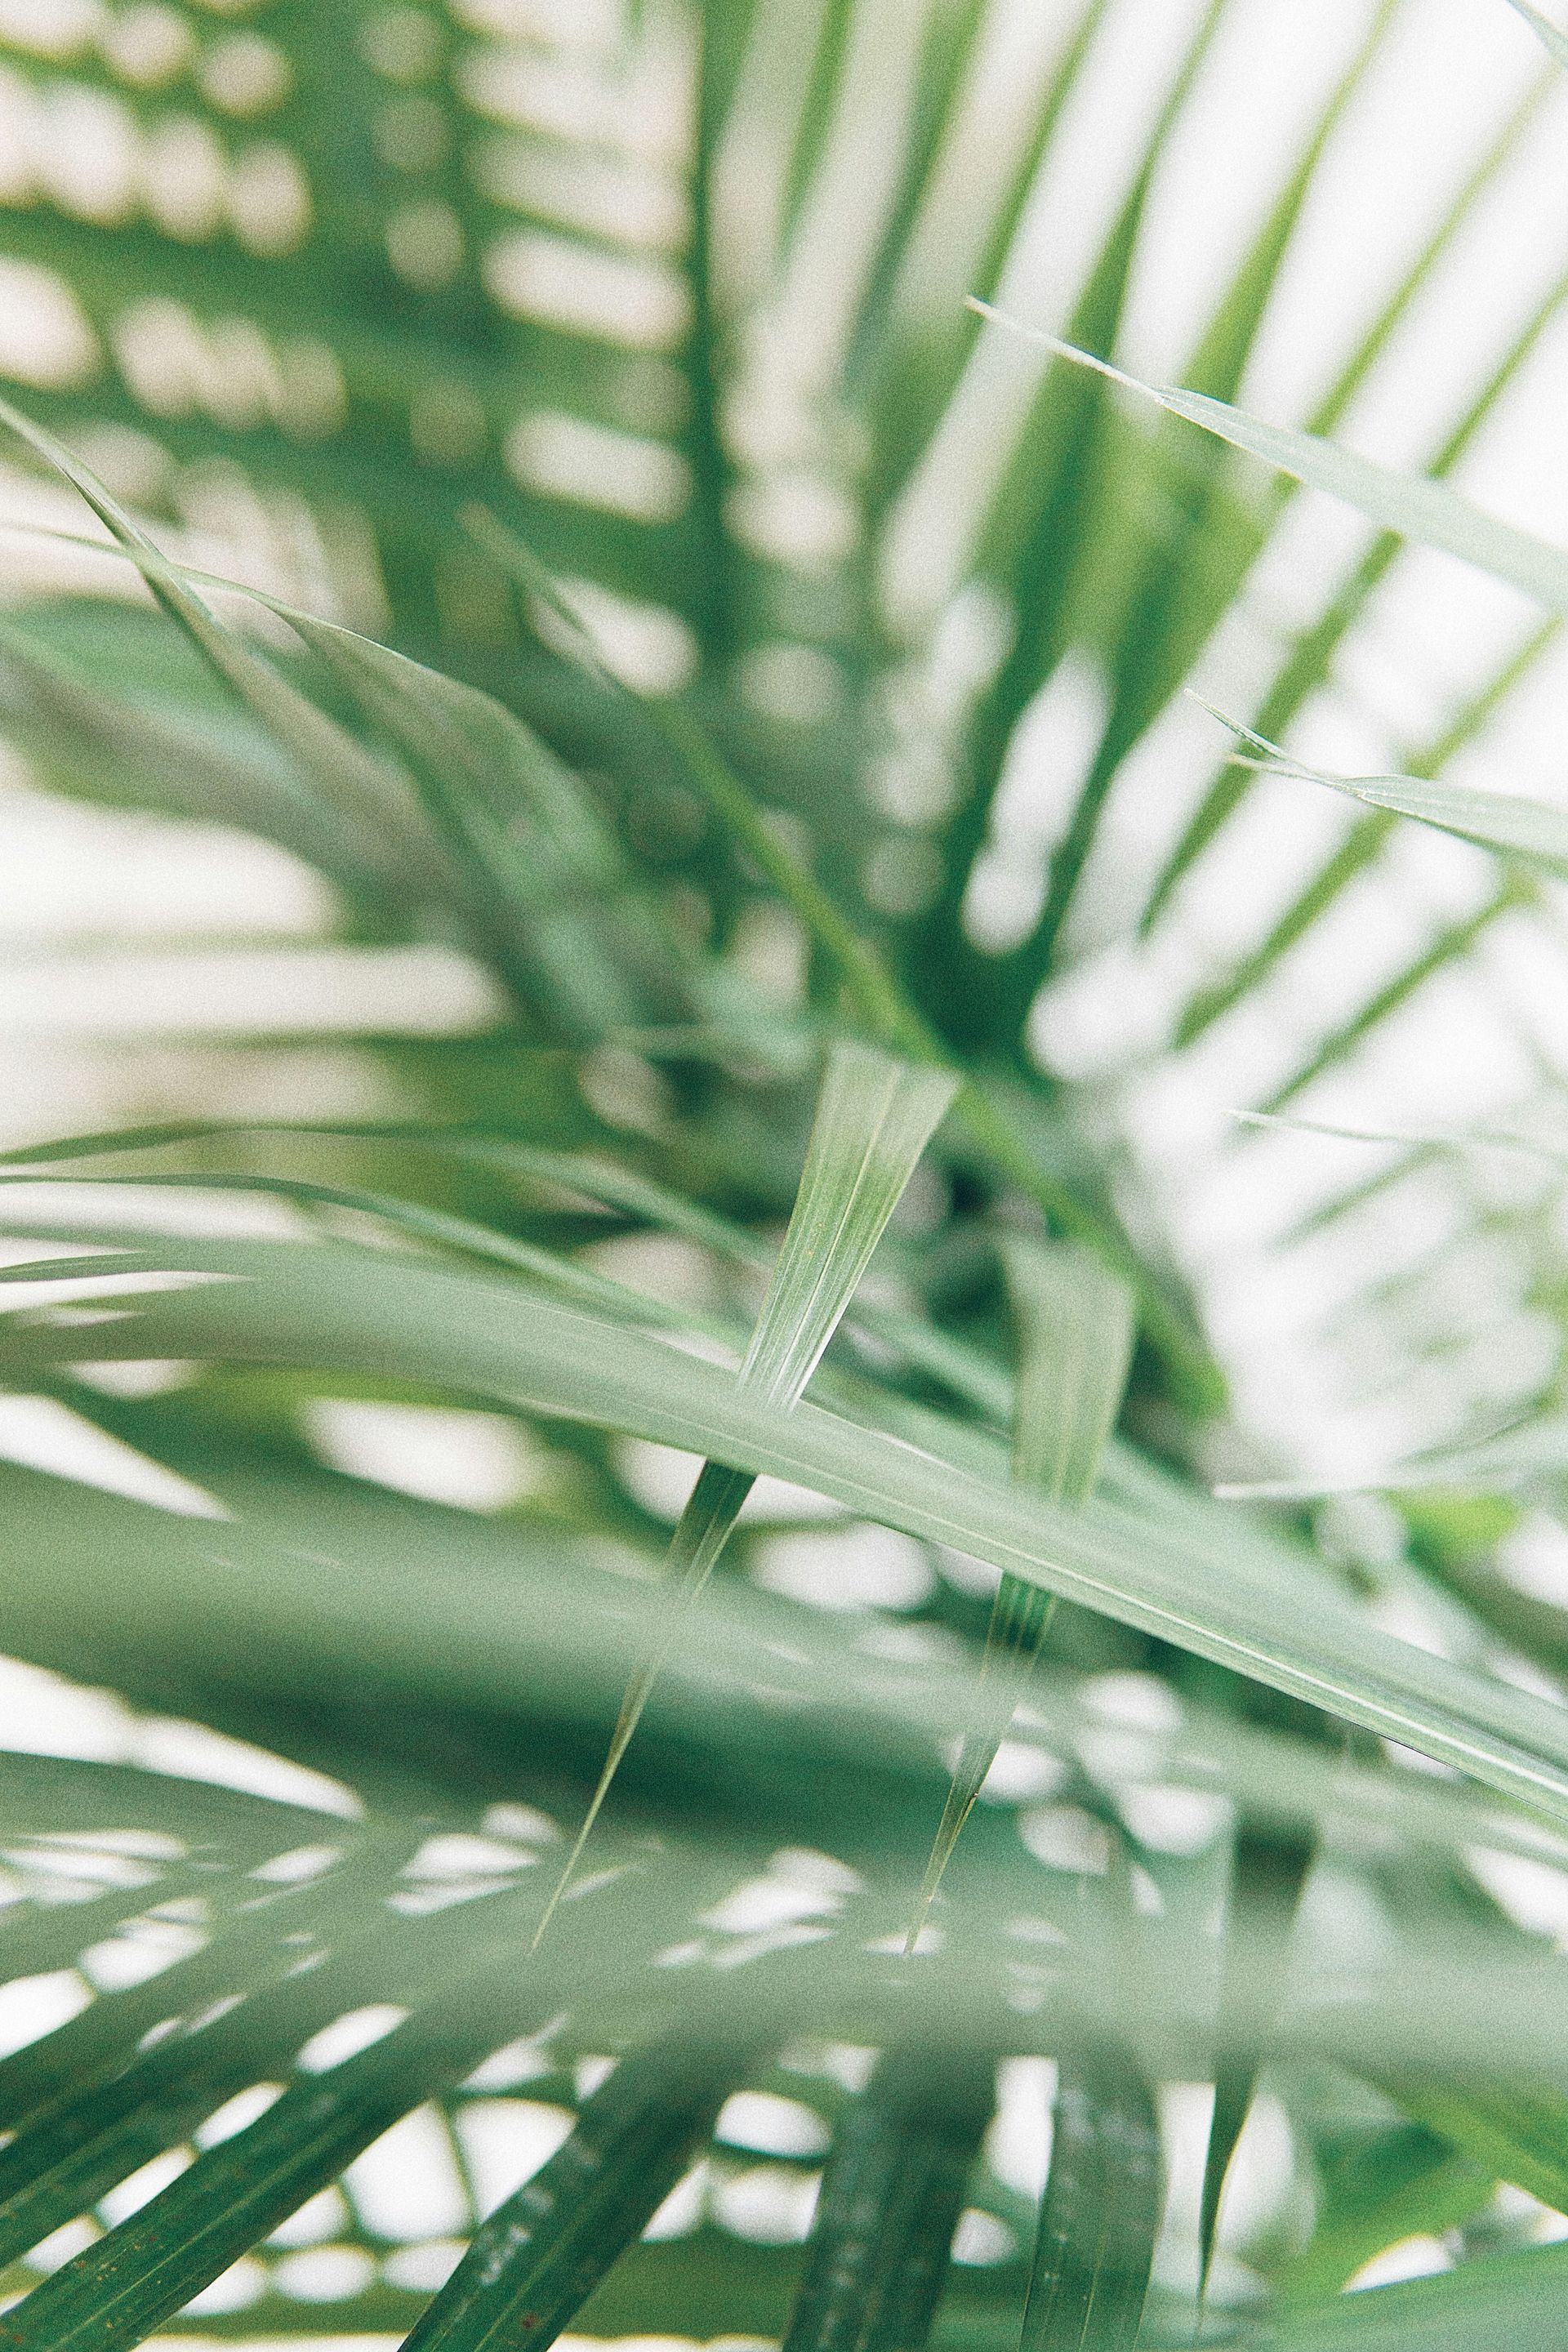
408, 358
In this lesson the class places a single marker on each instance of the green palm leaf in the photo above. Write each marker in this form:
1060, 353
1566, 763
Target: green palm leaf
1293, 1630
1553, 41
536, 2259
890, 2196
1425, 511
1075, 1348
874, 1118
1102, 2209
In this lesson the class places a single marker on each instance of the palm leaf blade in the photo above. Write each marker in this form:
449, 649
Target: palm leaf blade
874, 1117
1101, 2209
535, 2261
1076, 1345
1419, 509
890, 2196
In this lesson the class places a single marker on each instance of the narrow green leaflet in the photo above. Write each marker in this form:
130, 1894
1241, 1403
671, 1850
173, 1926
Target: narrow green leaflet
966, 1372
1449, 947
509, 836
1427, 511
602, 1180
241, 2011
41, 1796
1551, 36
116, 750
1020, 1618
1532, 1459
493, 1617
867, 982
1531, 830
394, 687
1039, 534
1102, 2209
1191, 572
1076, 1331
891, 2194
834, 30
1361, 846
1529, 1458
212, 1847
460, 1233
534, 2263
520, 837
874, 1117
921, 365
1479, 1138
1310, 658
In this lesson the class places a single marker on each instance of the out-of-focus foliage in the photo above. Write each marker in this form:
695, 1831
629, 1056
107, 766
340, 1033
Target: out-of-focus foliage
698, 685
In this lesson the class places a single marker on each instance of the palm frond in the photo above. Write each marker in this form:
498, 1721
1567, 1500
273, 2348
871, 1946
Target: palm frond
554, 525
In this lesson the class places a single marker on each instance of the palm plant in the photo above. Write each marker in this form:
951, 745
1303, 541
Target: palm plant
539, 473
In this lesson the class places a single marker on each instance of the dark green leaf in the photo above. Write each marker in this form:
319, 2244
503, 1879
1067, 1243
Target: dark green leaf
535, 2261
895, 2181
1102, 2209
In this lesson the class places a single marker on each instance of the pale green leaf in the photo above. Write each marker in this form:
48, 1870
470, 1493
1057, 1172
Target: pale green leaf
1271, 1867
1145, 1555
509, 819
496, 1619
1363, 844
1530, 1460
1531, 830
1478, 1139
1515, 2131
1552, 37
391, 682
509, 838
1076, 1331
870, 986
360, 791
1418, 509
874, 1116
1401, 2181
874, 1119
1505, 2302
121, 2287
882, 1006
